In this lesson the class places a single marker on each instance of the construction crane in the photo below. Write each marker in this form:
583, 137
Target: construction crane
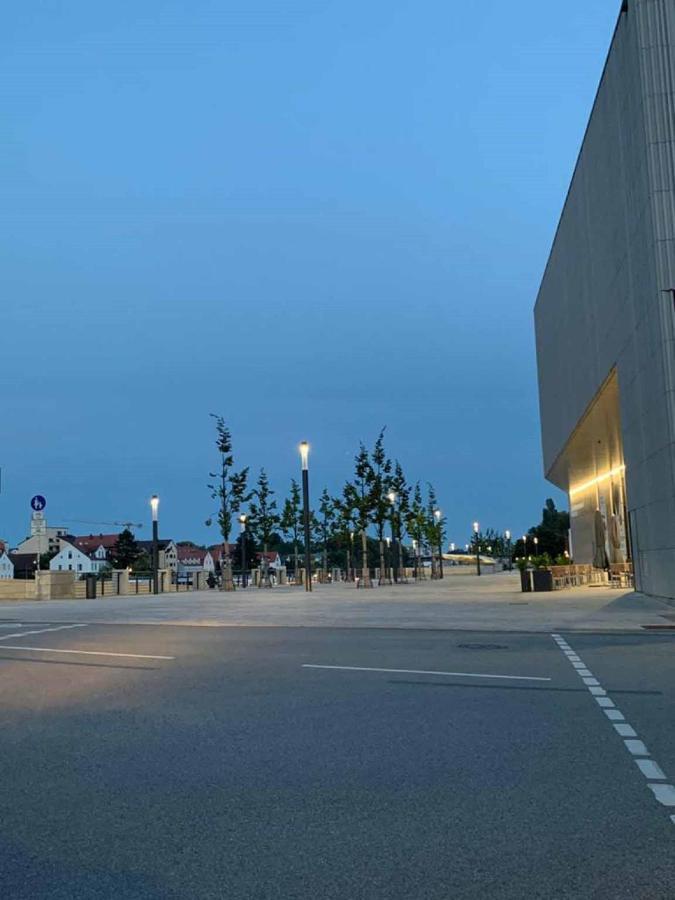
89, 522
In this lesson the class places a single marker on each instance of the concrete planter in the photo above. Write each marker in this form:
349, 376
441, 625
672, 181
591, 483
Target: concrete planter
542, 580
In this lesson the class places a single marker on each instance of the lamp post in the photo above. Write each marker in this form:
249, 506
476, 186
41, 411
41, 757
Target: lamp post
507, 535
438, 515
154, 506
242, 522
535, 540
304, 456
392, 496
350, 576
476, 527
525, 547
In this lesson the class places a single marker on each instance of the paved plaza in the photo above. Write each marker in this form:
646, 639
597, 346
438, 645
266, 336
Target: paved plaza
459, 601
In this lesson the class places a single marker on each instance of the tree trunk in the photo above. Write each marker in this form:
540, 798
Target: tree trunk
365, 571
296, 563
226, 580
325, 564
383, 570
265, 581
418, 570
433, 566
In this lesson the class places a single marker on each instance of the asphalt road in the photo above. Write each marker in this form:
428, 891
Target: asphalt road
231, 769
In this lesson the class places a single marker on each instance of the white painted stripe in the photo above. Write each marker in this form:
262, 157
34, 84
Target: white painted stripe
593, 681
650, 769
625, 730
427, 672
84, 652
615, 715
664, 793
6, 637
579, 665
598, 691
604, 701
584, 673
637, 748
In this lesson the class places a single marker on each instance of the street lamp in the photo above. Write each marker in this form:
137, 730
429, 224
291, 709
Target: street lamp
525, 547
476, 528
507, 535
350, 576
536, 544
304, 456
392, 497
438, 515
242, 522
154, 506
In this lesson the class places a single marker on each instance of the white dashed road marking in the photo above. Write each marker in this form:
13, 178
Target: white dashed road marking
664, 793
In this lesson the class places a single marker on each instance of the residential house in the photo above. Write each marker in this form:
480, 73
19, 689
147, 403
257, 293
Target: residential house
73, 559
6, 565
167, 553
194, 559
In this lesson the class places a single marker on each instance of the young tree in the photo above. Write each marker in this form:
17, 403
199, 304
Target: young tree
126, 550
326, 527
263, 519
380, 488
416, 523
359, 497
399, 496
291, 523
345, 527
434, 532
229, 488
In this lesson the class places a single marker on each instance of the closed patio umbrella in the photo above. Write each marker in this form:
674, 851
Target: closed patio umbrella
599, 552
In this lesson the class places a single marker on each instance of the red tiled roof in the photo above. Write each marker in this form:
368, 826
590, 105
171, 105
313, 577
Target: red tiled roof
187, 554
90, 542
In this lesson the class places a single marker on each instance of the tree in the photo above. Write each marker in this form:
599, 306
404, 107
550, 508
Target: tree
291, 523
400, 492
416, 524
325, 526
434, 532
263, 519
380, 488
229, 488
359, 497
552, 531
126, 550
345, 527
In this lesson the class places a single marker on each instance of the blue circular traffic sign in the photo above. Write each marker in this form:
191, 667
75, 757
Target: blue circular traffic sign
38, 502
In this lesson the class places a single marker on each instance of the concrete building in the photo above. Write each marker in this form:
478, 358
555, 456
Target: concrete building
605, 320
43, 538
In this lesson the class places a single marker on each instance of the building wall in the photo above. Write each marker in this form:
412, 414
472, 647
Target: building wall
600, 308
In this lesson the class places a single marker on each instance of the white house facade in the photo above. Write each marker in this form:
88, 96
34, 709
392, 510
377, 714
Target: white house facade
6, 566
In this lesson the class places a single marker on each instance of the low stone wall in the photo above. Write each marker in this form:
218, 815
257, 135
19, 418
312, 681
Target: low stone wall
16, 589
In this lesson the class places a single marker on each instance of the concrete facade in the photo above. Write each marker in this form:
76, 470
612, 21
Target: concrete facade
605, 330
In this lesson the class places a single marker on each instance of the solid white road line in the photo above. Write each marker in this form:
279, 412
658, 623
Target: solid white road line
426, 672
84, 652
650, 769
6, 637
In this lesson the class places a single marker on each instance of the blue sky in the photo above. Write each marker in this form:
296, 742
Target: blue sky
316, 218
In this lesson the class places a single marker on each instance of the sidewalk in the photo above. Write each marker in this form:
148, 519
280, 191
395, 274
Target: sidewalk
491, 602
